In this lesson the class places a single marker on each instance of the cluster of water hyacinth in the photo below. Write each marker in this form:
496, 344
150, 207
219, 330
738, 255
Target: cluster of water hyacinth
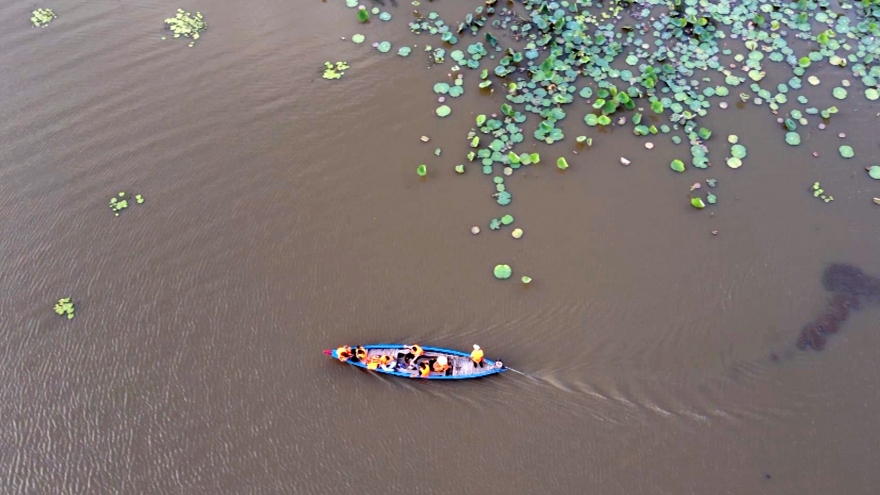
187, 25
42, 17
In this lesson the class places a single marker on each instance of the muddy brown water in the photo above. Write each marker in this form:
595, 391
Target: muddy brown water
283, 216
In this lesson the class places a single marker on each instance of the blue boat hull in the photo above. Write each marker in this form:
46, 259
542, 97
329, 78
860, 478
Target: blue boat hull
456, 358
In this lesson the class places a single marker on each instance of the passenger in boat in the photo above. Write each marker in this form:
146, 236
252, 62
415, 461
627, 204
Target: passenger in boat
373, 362
361, 354
343, 353
387, 363
441, 365
415, 351
477, 356
424, 370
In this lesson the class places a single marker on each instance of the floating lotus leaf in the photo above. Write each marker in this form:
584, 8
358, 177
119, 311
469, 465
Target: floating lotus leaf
507, 219
459, 169
677, 165
872, 94
711, 199
874, 172
732, 139
561, 163
698, 203
517, 233
838, 93
495, 224
358, 38
526, 280
502, 272
422, 170
503, 198
404, 51
734, 162
384, 47
793, 138
385, 16
591, 119
443, 111
846, 151
738, 151
363, 15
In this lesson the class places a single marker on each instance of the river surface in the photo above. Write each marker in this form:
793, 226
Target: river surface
283, 216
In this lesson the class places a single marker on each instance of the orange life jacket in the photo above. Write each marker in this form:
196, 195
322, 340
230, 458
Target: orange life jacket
343, 353
385, 359
373, 363
424, 370
440, 368
361, 353
417, 350
477, 355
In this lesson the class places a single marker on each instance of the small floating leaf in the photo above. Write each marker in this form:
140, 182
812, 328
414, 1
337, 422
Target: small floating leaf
422, 170
734, 162
384, 47
872, 94
677, 165
481, 119
874, 172
404, 51
698, 203
443, 110
363, 15
459, 169
711, 198
793, 138
526, 280
738, 151
503, 272
517, 233
495, 224
846, 151
732, 139
561, 163
838, 93
507, 219
358, 38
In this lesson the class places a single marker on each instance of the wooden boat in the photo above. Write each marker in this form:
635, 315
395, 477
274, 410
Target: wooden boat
461, 366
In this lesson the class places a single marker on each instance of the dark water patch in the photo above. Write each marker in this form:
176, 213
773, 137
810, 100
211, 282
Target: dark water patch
850, 287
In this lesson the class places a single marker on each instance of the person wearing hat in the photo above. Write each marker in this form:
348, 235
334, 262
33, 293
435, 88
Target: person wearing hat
441, 365
477, 356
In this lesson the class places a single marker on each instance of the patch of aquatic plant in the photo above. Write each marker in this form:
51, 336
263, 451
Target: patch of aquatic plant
818, 192
335, 71
526, 280
422, 170
120, 202
64, 307
187, 25
503, 272
874, 172
42, 17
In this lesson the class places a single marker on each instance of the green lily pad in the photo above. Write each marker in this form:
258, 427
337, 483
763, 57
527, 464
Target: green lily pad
358, 38
698, 203
738, 151
459, 169
139, 199
404, 51
732, 139
503, 272
872, 94
561, 163
793, 138
384, 47
517, 233
846, 151
507, 219
363, 15
677, 165
422, 170
874, 172
734, 162
711, 199
838, 93
526, 280
443, 110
